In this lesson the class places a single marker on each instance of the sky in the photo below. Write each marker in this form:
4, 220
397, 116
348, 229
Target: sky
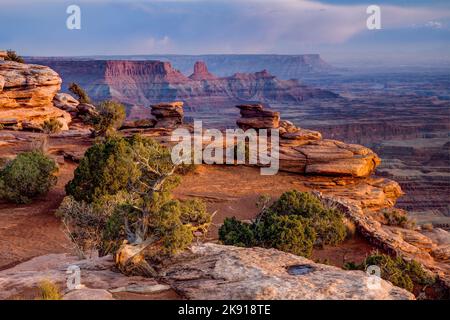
410, 30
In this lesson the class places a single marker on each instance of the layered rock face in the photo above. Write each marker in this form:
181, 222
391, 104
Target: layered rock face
283, 66
140, 83
26, 95
168, 115
304, 151
254, 117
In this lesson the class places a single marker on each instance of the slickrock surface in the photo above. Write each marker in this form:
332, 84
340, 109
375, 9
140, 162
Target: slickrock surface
208, 271
253, 116
97, 278
65, 102
26, 95
214, 271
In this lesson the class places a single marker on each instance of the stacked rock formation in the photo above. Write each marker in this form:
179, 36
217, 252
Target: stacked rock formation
304, 151
253, 116
168, 115
26, 96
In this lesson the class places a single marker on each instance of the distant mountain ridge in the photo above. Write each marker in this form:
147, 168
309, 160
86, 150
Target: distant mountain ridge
282, 66
140, 83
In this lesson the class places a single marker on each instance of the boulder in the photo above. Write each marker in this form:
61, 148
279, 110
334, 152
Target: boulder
65, 102
335, 158
86, 109
26, 94
212, 271
168, 115
253, 116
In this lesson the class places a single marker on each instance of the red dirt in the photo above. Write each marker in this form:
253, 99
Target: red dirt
31, 230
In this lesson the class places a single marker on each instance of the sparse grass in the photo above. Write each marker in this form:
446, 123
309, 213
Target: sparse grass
51, 126
402, 273
48, 291
294, 223
13, 56
398, 218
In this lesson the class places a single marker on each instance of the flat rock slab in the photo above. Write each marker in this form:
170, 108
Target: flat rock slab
212, 271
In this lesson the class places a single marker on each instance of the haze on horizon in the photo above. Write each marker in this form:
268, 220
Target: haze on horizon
412, 31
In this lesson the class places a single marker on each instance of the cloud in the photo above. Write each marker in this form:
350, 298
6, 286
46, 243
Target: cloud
201, 26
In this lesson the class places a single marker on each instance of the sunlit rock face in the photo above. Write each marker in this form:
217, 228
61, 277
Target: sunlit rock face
26, 95
141, 83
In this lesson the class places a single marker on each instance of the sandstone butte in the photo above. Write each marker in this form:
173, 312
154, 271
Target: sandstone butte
340, 172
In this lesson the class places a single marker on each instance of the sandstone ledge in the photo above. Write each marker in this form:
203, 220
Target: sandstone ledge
206, 271
212, 271
26, 95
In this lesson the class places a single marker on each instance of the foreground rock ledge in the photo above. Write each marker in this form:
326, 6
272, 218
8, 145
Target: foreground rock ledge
212, 271
207, 271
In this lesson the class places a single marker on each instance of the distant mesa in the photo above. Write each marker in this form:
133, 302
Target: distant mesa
142, 83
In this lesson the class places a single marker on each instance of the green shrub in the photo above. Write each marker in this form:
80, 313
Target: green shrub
51, 126
237, 233
290, 233
399, 272
327, 222
294, 223
12, 56
398, 218
106, 168
79, 92
110, 117
121, 191
29, 175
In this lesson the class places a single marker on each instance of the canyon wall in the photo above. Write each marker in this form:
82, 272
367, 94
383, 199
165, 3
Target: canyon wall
140, 83
222, 65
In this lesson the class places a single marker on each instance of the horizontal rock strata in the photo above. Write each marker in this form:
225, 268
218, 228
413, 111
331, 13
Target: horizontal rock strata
26, 95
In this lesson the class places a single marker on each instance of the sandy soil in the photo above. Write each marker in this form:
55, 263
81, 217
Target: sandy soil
30, 230
234, 191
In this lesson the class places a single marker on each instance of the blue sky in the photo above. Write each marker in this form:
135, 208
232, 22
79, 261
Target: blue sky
411, 30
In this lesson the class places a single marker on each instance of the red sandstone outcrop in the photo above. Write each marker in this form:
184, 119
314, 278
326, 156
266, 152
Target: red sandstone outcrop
433, 254
168, 115
254, 117
304, 151
26, 95
201, 72
206, 271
